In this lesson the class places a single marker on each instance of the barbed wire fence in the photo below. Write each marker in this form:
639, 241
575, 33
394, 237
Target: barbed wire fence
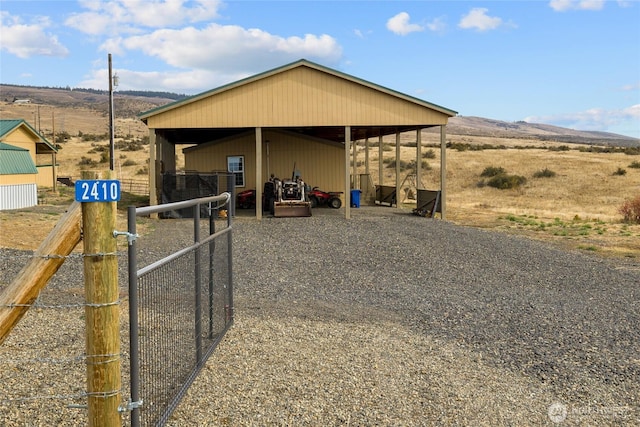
44, 365
43, 362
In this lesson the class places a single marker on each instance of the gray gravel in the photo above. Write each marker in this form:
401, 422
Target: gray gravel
392, 319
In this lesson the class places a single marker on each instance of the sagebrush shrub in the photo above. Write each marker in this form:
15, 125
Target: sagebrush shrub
630, 210
635, 164
544, 173
620, 172
86, 161
506, 182
429, 154
490, 171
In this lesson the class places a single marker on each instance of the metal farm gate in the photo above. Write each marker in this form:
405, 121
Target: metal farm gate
180, 307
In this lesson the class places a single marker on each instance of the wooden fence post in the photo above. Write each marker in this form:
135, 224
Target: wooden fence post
102, 310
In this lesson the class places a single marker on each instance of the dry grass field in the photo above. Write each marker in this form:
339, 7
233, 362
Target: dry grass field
576, 209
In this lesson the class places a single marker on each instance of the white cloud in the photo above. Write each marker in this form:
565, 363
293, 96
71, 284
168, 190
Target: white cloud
129, 16
27, 40
228, 48
400, 25
437, 25
594, 119
362, 34
631, 87
191, 81
563, 5
478, 19
202, 56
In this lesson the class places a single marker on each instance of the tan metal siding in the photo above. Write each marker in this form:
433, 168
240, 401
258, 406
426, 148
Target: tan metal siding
213, 157
45, 176
24, 178
320, 164
298, 97
23, 139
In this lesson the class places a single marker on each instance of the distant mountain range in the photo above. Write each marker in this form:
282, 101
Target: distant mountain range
130, 103
479, 126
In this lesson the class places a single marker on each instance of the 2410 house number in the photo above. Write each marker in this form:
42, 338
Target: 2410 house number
98, 190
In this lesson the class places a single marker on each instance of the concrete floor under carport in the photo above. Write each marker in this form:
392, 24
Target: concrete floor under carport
362, 211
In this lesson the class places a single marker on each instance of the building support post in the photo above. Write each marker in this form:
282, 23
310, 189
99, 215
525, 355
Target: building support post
397, 169
443, 170
153, 172
418, 161
259, 173
354, 168
347, 180
366, 156
380, 161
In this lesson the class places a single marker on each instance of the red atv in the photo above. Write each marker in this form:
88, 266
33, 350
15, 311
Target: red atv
246, 199
318, 197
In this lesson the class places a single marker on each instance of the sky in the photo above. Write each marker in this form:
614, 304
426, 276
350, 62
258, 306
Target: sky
570, 63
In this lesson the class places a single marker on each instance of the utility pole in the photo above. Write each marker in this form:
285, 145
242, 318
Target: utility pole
111, 120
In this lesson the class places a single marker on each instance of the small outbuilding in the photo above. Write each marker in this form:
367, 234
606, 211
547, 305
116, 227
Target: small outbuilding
27, 160
300, 116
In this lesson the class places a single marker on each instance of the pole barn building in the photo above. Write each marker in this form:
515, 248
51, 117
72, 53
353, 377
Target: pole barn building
27, 160
301, 114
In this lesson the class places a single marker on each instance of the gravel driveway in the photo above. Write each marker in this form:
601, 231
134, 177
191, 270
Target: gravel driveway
391, 319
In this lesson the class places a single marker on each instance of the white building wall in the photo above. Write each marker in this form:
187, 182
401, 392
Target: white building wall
18, 196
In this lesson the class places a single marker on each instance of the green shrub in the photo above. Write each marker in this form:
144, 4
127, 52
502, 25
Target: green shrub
560, 148
62, 137
544, 173
403, 165
506, 182
635, 164
490, 171
429, 154
92, 137
86, 161
632, 151
630, 210
128, 145
128, 162
620, 172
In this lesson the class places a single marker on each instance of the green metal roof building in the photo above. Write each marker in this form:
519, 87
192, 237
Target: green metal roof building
21, 150
15, 160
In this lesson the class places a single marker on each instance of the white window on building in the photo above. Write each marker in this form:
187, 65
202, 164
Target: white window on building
235, 164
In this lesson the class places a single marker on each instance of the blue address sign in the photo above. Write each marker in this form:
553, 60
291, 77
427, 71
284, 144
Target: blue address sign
98, 190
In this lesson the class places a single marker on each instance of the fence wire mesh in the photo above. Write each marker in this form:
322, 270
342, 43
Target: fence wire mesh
184, 307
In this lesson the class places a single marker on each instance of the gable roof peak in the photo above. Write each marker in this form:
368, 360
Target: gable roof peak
287, 67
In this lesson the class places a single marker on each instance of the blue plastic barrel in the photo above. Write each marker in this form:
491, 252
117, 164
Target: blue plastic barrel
355, 198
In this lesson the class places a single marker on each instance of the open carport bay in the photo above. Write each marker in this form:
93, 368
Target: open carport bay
393, 319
